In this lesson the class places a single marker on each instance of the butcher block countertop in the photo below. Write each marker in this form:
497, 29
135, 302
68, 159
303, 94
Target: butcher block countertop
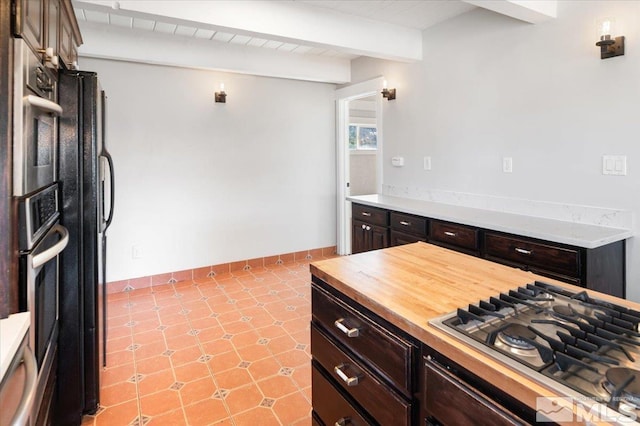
411, 284
572, 233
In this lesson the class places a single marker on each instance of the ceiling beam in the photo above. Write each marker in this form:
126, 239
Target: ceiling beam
532, 11
285, 21
109, 42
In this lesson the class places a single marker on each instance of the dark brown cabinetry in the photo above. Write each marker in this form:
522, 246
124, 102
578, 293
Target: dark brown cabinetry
8, 241
458, 237
30, 21
68, 37
406, 229
363, 368
369, 228
601, 269
449, 401
48, 24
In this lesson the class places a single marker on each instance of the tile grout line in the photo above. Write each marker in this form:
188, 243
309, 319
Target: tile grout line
296, 284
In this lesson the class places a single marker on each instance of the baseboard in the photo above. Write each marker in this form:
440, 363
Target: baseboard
208, 272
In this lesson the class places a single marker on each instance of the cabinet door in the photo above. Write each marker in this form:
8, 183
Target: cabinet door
66, 45
52, 14
358, 237
30, 22
378, 237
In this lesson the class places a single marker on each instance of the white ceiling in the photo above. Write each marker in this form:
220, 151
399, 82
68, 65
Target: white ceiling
303, 39
418, 14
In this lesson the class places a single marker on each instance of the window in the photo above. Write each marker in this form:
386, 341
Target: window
363, 136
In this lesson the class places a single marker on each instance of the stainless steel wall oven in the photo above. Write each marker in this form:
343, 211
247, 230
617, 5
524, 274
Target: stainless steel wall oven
42, 239
35, 122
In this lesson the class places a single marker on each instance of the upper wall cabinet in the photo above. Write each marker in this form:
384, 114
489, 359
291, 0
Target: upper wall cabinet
69, 38
29, 22
50, 28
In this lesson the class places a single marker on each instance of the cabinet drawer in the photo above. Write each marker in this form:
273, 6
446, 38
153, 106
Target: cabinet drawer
462, 236
408, 224
375, 397
387, 354
397, 238
370, 215
525, 252
330, 406
452, 402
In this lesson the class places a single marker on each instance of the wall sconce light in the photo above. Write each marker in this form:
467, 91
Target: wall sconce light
389, 94
221, 96
609, 47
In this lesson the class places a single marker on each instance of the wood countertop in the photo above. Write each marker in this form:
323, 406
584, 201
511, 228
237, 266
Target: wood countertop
411, 284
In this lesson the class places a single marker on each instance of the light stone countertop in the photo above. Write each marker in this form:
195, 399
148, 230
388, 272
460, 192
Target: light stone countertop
572, 233
12, 332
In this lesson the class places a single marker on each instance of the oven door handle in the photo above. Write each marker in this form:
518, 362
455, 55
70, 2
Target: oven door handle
42, 258
43, 104
31, 379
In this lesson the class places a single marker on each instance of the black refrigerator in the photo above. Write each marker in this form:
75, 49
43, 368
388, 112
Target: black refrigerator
85, 172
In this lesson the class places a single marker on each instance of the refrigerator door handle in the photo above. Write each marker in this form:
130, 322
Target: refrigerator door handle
42, 258
112, 189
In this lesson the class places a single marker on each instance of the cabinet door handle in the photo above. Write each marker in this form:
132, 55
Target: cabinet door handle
402, 222
364, 226
367, 214
350, 381
450, 234
368, 228
343, 421
350, 332
523, 251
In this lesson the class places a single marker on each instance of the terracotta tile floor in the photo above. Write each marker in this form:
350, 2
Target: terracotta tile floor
229, 350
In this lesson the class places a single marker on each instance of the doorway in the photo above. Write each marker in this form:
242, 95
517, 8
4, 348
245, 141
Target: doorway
359, 145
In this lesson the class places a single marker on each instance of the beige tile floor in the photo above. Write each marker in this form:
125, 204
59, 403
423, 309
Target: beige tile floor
228, 350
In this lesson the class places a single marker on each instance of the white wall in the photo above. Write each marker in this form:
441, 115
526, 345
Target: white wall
200, 183
491, 86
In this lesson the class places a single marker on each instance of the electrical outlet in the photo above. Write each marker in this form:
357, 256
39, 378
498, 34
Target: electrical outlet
137, 252
507, 164
427, 163
614, 165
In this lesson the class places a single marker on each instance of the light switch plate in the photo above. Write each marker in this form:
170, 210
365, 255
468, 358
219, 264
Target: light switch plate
397, 161
427, 163
507, 164
614, 165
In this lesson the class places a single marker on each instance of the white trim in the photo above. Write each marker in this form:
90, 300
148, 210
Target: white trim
343, 96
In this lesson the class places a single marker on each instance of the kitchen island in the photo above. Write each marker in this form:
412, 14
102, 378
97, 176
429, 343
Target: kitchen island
396, 292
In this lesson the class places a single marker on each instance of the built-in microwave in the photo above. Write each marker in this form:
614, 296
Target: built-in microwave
35, 122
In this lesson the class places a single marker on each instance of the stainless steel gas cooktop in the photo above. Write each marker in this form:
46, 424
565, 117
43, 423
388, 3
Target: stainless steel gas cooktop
582, 348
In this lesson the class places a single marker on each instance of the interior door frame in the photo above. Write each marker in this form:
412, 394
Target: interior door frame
343, 96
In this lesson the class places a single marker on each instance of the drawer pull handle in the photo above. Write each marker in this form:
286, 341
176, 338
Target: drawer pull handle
350, 332
450, 234
523, 251
367, 214
405, 223
343, 421
350, 381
